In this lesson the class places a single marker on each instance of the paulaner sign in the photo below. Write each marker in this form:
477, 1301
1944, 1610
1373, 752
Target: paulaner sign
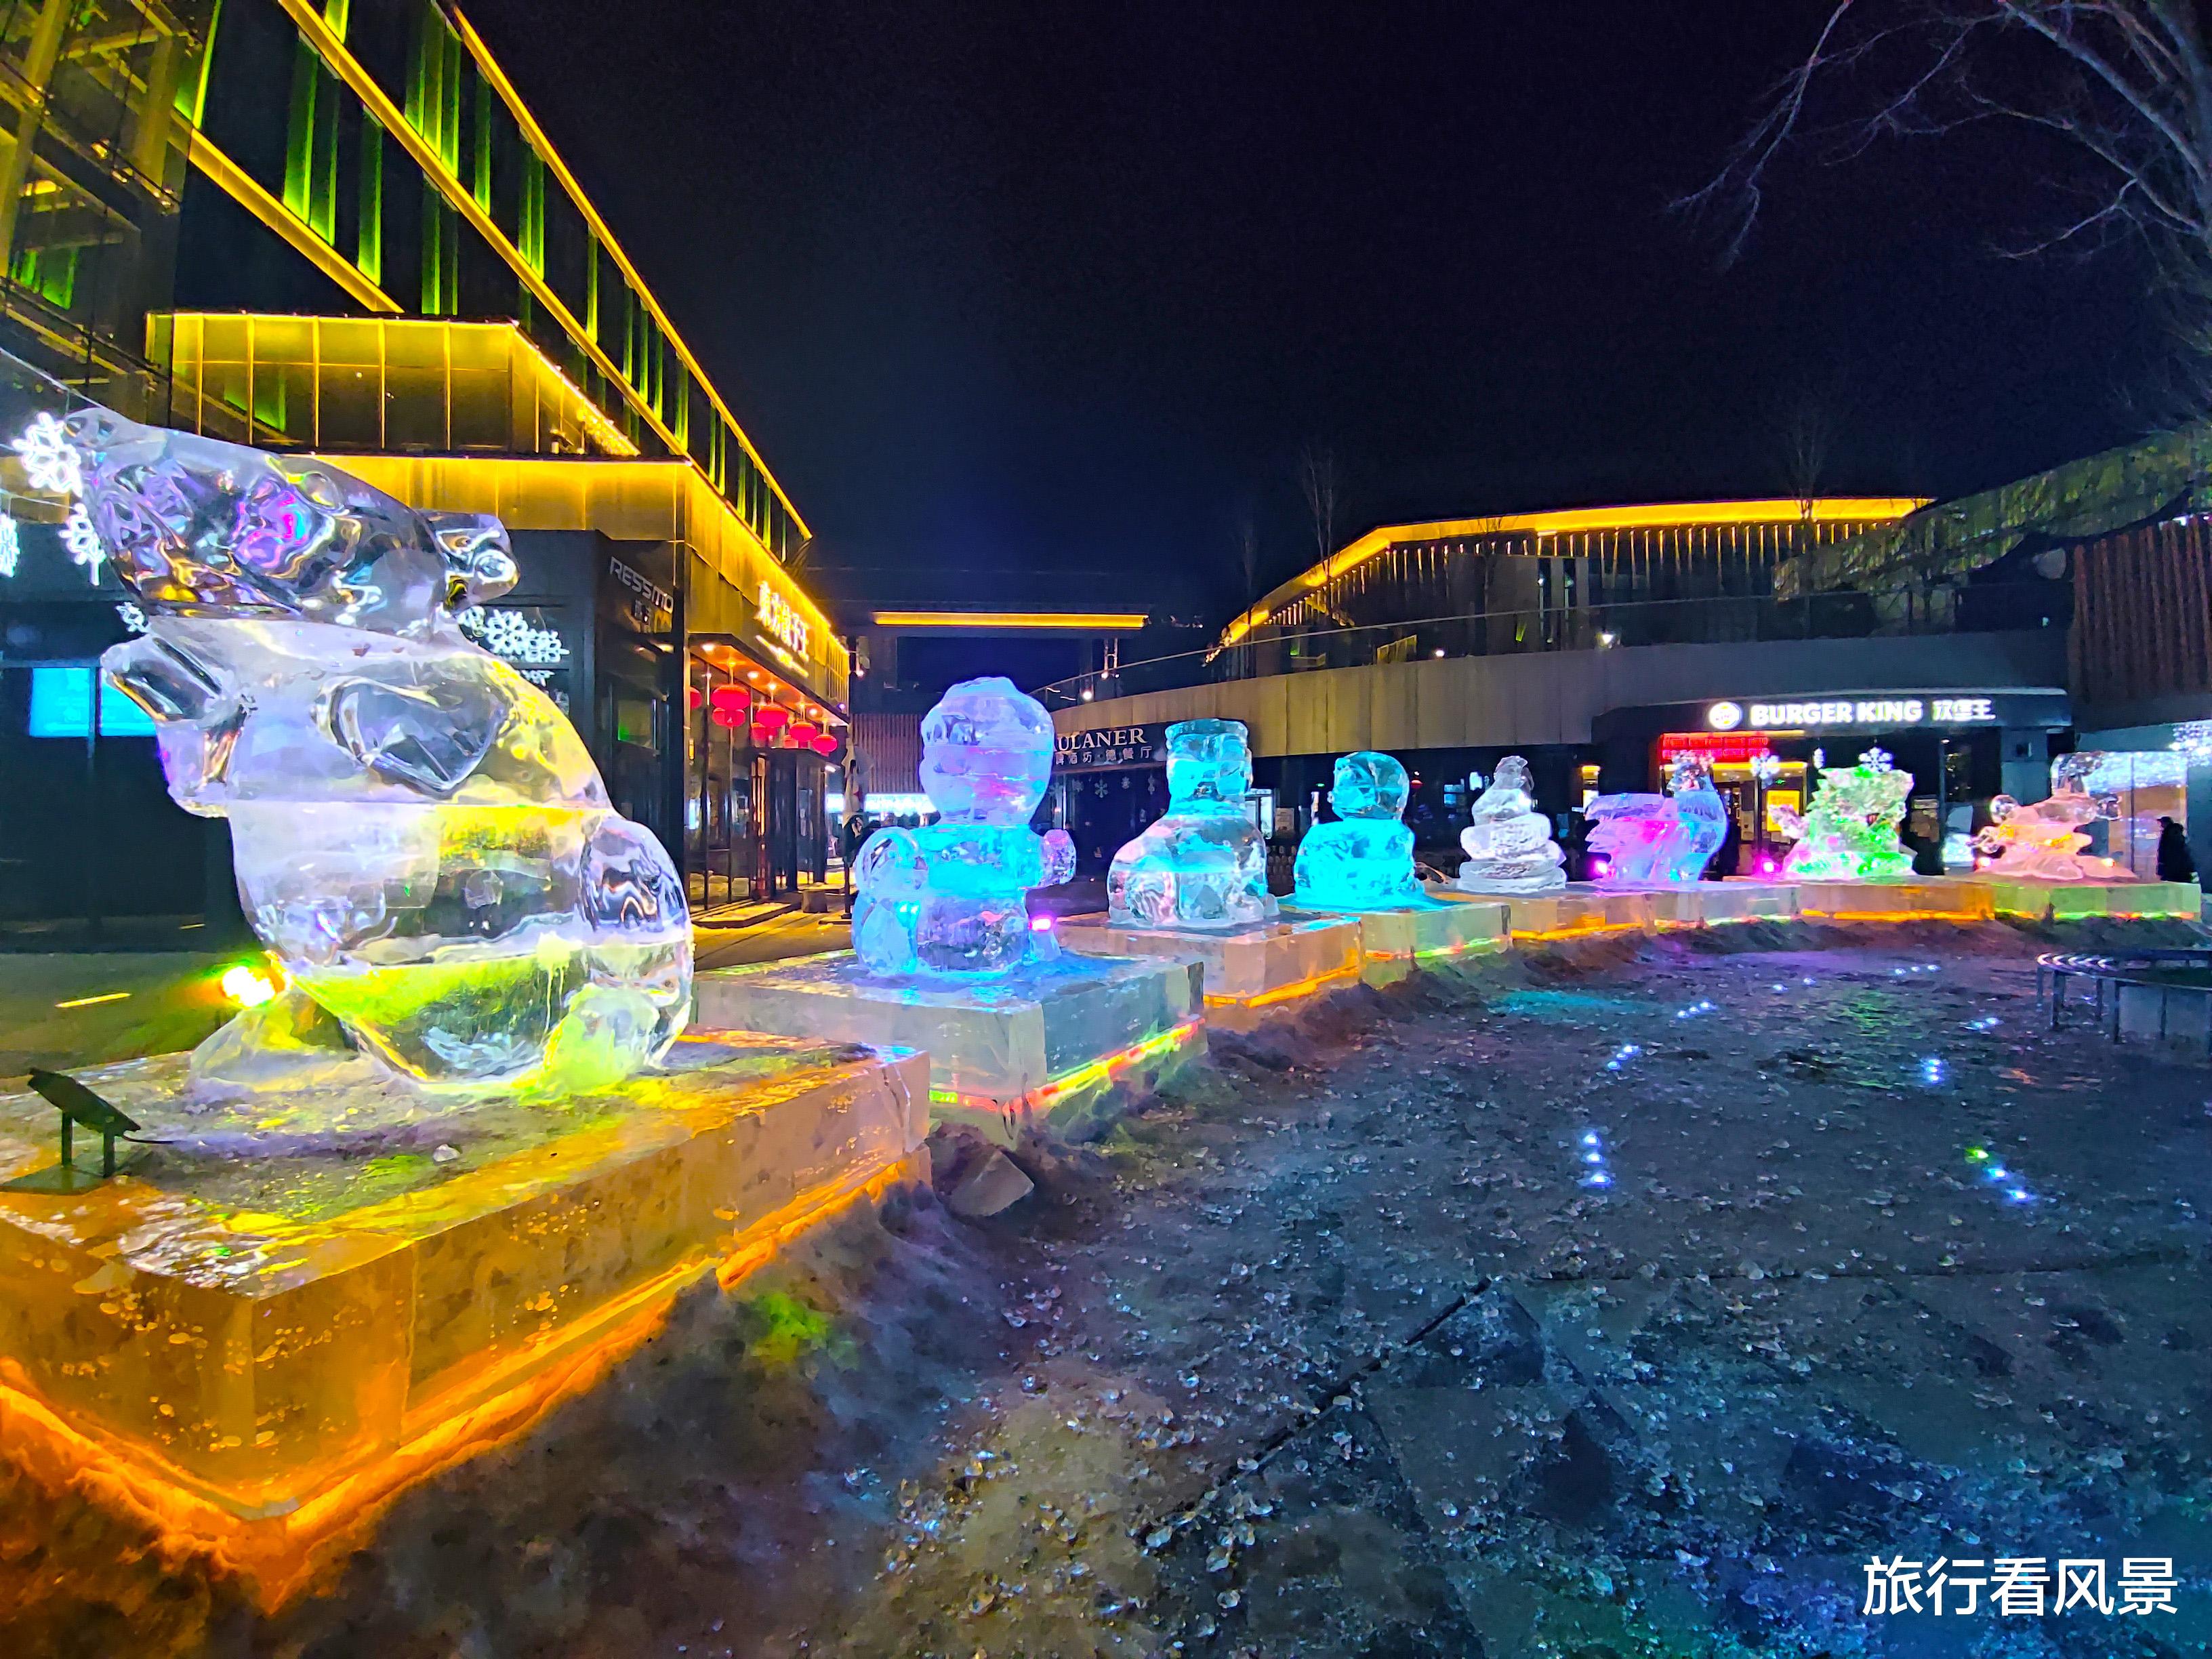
1883, 713
1106, 745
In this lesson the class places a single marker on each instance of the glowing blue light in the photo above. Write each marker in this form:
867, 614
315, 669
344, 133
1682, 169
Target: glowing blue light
1599, 1178
1590, 1139
2018, 1195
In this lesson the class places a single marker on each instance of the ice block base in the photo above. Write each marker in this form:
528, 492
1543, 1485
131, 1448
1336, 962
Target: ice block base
1251, 976
254, 1350
1050, 1045
1719, 903
1944, 900
1580, 910
1396, 943
2084, 901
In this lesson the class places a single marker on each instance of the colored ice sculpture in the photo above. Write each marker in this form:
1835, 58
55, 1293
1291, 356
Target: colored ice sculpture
1509, 846
420, 838
951, 897
1652, 840
1365, 860
2045, 842
1205, 864
1848, 832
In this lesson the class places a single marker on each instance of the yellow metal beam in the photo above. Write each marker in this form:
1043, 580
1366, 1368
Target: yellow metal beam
1084, 621
237, 184
1567, 521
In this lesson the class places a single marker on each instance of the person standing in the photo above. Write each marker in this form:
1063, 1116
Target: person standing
2175, 862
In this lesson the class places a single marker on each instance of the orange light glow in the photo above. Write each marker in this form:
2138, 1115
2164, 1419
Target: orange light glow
1305, 988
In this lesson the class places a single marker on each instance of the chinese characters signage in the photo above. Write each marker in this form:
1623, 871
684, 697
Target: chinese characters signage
781, 619
1107, 746
2018, 1586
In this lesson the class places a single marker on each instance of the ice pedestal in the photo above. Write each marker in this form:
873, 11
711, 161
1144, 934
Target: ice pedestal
254, 1336
1045, 1045
1717, 903
1579, 910
2083, 901
1250, 974
1396, 940
1944, 899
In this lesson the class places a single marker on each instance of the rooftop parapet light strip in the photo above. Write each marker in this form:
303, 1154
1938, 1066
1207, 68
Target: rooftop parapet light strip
1571, 521
1084, 621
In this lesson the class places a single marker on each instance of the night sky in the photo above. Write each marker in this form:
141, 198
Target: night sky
1059, 288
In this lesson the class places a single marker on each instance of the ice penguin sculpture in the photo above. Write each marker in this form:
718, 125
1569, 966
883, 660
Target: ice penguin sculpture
951, 898
1365, 860
1508, 845
420, 838
1204, 864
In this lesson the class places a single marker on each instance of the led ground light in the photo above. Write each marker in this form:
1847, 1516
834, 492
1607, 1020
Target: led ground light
1096, 1074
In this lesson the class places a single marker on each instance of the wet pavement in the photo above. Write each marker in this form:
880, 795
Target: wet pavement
1623, 1301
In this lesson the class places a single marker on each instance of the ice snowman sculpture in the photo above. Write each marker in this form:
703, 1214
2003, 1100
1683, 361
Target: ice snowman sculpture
1508, 845
1204, 864
420, 838
1365, 860
951, 897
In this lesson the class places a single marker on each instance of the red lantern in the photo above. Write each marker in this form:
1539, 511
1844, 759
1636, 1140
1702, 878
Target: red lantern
735, 698
763, 738
725, 718
695, 697
803, 732
772, 717
826, 743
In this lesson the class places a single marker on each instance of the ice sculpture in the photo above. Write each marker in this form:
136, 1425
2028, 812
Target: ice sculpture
1654, 840
420, 838
1205, 864
951, 897
1365, 860
1849, 831
1509, 846
2045, 842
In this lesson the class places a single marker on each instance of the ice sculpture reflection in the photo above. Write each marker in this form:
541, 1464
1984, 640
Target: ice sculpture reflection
951, 897
1509, 846
1365, 860
420, 838
1205, 864
2045, 842
1655, 839
1849, 831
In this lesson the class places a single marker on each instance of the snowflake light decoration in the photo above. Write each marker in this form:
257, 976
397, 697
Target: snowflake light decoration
11, 545
83, 541
51, 461
511, 636
133, 617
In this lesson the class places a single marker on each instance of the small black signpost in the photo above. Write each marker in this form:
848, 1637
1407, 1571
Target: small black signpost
77, 1104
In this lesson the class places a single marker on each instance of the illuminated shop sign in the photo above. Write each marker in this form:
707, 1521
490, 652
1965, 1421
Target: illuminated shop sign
1106, 745
1884, 714
781, 619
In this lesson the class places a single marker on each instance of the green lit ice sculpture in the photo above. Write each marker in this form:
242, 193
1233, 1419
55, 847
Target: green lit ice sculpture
1365, 860
1849, 831
1205, 864
420, 838
951, 897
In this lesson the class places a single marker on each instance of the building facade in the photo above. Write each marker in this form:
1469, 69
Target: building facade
337, 228
1600, 643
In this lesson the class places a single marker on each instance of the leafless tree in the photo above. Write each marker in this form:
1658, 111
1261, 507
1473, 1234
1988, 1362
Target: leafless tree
1318, 484
1244, 537
2125, 86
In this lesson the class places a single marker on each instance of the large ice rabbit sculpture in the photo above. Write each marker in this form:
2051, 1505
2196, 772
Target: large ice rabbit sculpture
420, 838
1508, 845
1365, 860
1205, 864
951, 897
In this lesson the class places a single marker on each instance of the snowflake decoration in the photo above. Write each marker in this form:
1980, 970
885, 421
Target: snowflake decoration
83, 541
133, 617
51, 461
510, 635
11, 545
1876, 759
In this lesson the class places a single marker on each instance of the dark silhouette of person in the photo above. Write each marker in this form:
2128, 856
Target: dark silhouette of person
2175, 862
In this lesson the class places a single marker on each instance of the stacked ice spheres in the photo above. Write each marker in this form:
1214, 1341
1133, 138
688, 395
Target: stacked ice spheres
1365, 860
1205, 865
419, 836
1509, 846
951, 897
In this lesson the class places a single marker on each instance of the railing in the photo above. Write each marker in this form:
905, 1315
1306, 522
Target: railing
1848, 614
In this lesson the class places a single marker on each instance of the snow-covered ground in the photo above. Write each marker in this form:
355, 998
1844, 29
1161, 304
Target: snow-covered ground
1622, 1301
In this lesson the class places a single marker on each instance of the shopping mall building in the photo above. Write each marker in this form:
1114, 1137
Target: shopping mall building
1599, 643
336, 226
